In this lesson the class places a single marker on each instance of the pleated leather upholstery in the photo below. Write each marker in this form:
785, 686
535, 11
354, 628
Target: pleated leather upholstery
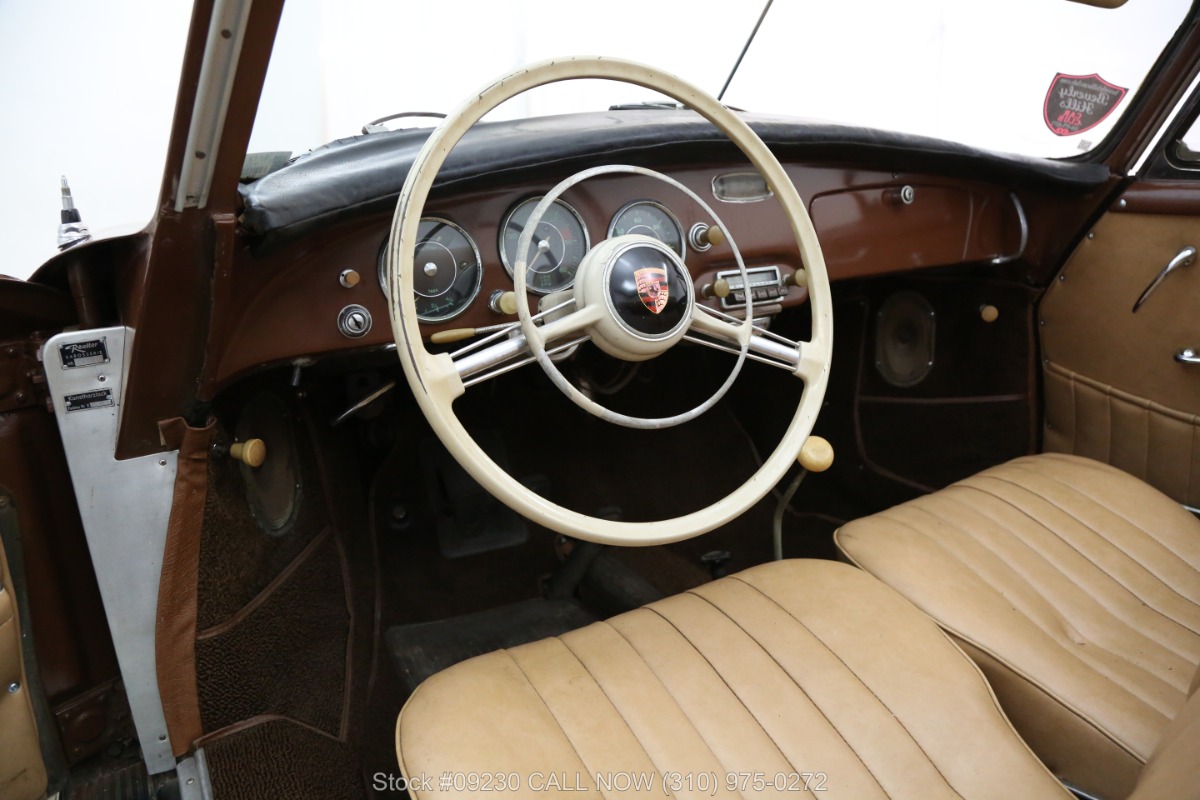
792, 667
1077, 589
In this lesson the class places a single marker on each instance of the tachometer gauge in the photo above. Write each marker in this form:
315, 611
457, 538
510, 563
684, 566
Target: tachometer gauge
447, 270
559, 245
649, 219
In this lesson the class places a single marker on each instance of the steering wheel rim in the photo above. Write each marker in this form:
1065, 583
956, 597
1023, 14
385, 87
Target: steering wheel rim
433, 377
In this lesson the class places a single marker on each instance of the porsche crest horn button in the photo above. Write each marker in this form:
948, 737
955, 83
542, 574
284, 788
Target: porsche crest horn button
648, 290
653, 288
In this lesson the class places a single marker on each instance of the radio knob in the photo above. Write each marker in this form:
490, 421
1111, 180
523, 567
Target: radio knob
718, 288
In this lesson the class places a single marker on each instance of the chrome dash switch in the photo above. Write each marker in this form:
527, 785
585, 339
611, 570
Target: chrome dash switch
354, 321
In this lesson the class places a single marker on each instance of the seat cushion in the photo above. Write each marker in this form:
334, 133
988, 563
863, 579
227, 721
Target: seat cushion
1075, 586
793, 671
1171, 771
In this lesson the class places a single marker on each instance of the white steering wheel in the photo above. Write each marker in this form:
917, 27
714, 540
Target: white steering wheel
633, 297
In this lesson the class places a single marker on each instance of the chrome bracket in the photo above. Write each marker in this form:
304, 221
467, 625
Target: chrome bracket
1187, 356
124, 506
194, 783
1023, 223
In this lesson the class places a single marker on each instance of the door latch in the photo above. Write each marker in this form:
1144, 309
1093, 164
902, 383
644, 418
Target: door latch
1184, 258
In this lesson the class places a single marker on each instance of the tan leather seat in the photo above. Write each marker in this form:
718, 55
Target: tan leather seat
1076, 588
791, 668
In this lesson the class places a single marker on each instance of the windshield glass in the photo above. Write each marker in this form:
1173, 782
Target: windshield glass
1035, 77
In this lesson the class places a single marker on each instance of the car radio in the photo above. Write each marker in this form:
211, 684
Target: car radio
766, 285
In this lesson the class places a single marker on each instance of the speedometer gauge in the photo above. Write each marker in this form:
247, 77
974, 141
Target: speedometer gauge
447, 270
649, 219
559, 245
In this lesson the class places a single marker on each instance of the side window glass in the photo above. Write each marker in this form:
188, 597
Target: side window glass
1187, 148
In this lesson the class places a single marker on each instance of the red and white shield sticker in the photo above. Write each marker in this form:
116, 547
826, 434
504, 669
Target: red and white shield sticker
652, 288
1078, 103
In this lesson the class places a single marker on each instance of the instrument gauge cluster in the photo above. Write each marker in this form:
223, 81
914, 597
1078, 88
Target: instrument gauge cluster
448, 268
556, 251
650, 218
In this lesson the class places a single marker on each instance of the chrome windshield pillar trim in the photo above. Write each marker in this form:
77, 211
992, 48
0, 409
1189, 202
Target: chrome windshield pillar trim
1157, 142
217, 73
124, 506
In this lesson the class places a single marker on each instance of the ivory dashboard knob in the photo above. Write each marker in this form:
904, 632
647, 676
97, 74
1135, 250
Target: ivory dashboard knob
503, 302
713, 236
797, 278
816, 455
705, 236
718, 288
252, 452
989, 313
452, 335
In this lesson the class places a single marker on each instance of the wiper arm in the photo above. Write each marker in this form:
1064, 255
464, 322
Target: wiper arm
657, 105
660, 105
377, 126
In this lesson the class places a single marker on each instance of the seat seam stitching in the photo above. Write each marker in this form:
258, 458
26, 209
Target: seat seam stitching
618, 711
1096, 500
1100, 504
1129, 589
1034, 588
1100, 535
672, 695
1191, 461
856, 676
1011, 665
801, 689
1184, 657
555, 716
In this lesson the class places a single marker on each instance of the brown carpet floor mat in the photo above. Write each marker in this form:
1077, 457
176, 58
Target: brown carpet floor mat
285, 652
424, 648
237, 559
278, 759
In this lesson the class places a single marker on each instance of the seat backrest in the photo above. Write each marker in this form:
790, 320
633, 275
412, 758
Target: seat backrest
1171, 770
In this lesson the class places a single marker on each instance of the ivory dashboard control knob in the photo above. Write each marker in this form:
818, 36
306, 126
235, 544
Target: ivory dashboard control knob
503, 302
349, 278
797, 278
703, 236
718, 288
989, 313
816, 455
713, 236
452, 335
252, 452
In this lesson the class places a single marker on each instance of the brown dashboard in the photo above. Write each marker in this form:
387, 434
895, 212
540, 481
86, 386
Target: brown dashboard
285, 305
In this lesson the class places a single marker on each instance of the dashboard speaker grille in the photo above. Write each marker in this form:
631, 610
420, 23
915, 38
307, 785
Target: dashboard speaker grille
904, 339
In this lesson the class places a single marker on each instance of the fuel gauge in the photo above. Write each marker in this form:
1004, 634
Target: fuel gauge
447, 270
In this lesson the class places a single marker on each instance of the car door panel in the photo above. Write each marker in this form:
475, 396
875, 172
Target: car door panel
1113, 388
22, 771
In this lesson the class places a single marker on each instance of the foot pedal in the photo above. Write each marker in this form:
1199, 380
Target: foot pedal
469, 520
